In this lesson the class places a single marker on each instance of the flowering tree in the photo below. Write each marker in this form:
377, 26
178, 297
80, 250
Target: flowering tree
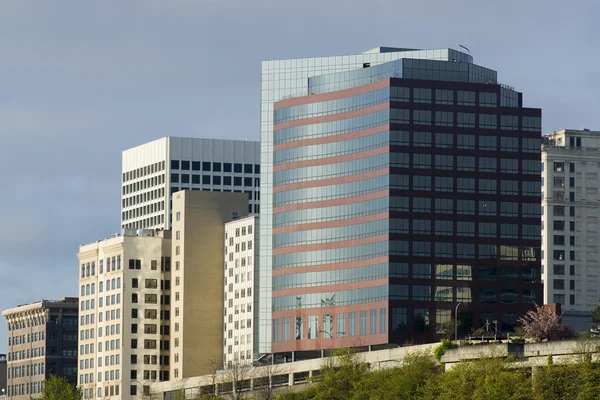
543, 324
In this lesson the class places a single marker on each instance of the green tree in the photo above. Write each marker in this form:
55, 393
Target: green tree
488, 378
58, 388
338, 381
407, 381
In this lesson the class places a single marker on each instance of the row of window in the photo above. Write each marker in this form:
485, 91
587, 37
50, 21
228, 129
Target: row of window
143, 171
25, 371
146, 184
30, 338
207, 166
215, 180
405, 248
145, 197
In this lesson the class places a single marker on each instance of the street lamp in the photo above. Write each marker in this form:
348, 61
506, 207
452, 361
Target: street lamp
456, 322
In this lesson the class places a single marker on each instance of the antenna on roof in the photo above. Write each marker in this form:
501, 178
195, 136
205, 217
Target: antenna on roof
460, 45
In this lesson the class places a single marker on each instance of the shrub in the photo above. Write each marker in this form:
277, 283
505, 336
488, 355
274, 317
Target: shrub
440, 349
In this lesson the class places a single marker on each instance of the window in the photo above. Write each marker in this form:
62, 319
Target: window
510, 123
509, 165
487, 143
559, 284
487, 164
488, 99
421, 320
422, 139
444, 184
488, 121
464, 228
421, 95
421, 271
421, 117
465, 142
443, 271
444, 228
444, 162
399, 319
443, 96
465, 120
559, 166
465, 185
421, 249
465, 98
487, 207
465, 207
487, 186
421, 227
444, 118
444, 206
444, 140
422, 161
421, 182
352, 324
465, 163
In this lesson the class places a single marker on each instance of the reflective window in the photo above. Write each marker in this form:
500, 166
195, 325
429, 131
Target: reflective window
465, 98
443, 294
465, 142
421, 95
443, 271
444, 140
465, 120
443, 96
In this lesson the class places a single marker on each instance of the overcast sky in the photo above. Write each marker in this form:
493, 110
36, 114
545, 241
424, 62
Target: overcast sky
80, 81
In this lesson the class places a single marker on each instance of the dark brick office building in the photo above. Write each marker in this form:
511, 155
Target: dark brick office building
42, 341
401, 190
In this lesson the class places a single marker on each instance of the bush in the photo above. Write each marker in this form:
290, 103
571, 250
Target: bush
440, 349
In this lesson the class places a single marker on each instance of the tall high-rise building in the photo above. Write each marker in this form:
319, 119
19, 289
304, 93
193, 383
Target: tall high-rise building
281, 79
124, 315
152, 172
570, 237
199, 220
241, 273
400, 192
42, 341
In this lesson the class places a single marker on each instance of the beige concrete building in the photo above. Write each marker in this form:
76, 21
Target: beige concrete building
241, 274
571, 217
197, 308
125, 314
42, 341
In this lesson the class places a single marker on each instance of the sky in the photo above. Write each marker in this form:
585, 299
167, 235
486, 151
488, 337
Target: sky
81, 81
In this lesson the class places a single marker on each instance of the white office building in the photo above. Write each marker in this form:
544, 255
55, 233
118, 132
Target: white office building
153, 171
241, 272
125, 314
571, 223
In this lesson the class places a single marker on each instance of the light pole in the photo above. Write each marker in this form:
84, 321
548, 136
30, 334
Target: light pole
456, 322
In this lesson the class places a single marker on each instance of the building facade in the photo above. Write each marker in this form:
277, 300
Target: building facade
402, 191
571, 214
281, 79
199, 220
42, 341
124, 326
152, 172
241, 272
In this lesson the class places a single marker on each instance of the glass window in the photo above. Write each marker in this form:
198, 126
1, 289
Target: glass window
444, 162
444, 206
465, 120
465, 228
422, 139
174, 164
352, 324
465, 98
444, 184
421, 204
421, 227
488, 143
463, 273
443, 294
341, 324
487, 229
421, 117
421, 292
422, 161
421, 271
488, 99
195, 165
421, 95
488, 121
444, 140
487, 164
421, 320
444, 228
363, 323
465, 185
206, 166
444, 118
509, 123
443, 319
487, 207
443, 96
465, 207
422, 182
399, 319
465, 142
444, 250
421, 249
443, 271
487, 186
465, 163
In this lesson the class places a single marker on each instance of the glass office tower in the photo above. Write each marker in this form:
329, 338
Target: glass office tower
281, 79
400, 190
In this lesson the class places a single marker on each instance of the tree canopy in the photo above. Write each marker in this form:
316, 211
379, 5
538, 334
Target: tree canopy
58, 388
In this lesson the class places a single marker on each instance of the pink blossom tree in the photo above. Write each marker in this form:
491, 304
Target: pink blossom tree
544, 324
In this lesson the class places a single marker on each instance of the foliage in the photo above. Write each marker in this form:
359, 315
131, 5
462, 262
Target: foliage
492, 377
58, 388
440, 349
543, 324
